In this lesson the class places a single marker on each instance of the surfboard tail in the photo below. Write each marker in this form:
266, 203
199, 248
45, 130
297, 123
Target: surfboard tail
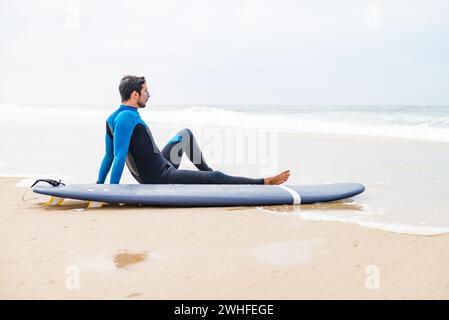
54, 201
95, 204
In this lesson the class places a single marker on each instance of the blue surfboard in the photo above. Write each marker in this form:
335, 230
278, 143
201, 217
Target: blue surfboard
203, 195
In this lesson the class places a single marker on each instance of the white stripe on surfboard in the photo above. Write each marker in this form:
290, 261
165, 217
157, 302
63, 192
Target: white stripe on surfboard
293, 193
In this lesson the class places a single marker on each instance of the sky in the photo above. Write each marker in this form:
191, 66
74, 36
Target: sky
385, 52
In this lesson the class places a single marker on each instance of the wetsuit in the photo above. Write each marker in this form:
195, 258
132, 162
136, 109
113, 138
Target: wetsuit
129, 140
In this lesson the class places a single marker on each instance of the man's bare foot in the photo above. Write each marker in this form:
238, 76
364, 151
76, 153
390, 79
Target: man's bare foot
280, 178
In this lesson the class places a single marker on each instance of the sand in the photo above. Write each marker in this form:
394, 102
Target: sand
133, 252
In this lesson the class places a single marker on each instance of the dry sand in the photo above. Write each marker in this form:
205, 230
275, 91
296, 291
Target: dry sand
132, 252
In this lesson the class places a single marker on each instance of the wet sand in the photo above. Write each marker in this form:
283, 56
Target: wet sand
133, 252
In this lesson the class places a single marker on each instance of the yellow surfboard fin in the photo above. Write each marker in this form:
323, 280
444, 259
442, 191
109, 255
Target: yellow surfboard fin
54, 201
94, 204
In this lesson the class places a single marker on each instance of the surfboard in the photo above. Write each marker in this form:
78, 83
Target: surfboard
203, 195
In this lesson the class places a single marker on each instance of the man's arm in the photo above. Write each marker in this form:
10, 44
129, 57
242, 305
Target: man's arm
123, 131
107, 159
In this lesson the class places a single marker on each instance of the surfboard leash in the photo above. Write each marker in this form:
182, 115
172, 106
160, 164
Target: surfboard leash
52, 182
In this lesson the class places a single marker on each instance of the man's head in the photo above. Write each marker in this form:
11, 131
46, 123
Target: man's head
134, 91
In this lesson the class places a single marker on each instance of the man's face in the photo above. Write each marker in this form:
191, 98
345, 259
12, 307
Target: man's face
143, 96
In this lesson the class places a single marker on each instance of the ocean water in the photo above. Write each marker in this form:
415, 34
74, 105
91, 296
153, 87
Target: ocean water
429, 123
406, 191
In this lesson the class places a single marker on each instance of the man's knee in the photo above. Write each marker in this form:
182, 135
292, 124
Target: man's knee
186, 135
183, 135
188, 131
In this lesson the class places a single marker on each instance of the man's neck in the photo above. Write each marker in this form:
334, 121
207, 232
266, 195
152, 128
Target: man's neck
130, 104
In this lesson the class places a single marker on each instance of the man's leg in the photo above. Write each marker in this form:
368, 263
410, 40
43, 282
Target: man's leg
184, 142
177, 176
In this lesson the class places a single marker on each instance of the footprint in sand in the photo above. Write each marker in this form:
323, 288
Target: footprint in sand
104, 262
124, 259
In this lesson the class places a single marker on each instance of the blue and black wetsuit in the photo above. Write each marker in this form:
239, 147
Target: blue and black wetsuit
129, 140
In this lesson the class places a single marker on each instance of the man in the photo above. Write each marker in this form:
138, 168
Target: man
129, 139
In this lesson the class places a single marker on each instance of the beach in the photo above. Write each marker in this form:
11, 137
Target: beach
388, 242
347, 96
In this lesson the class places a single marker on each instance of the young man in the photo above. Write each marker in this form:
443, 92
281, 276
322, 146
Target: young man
129, 139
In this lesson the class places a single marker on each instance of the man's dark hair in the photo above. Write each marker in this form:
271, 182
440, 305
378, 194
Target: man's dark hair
128, 84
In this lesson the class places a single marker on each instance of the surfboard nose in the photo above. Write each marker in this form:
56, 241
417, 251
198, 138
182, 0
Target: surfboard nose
355, 188
328, 192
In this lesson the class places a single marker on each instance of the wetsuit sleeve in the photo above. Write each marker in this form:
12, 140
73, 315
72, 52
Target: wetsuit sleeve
107, 160
123, 131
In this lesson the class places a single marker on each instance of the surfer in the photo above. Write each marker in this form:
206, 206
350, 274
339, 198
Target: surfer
129, 140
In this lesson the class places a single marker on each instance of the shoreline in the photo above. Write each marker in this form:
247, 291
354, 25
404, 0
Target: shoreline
308, 214
392, 170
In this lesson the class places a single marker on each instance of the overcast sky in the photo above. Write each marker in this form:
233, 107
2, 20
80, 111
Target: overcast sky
226, 52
